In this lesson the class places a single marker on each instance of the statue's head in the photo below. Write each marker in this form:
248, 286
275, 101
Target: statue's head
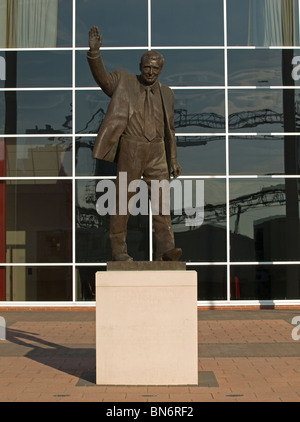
151, 65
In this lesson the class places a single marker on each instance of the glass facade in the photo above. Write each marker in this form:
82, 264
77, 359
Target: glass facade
234, 67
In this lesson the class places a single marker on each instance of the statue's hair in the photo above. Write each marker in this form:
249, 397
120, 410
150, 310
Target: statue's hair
153, 55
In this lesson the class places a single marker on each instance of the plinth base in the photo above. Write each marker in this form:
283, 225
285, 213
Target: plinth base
146, 327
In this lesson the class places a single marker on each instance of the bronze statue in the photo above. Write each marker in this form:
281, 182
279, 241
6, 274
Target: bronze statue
138, 133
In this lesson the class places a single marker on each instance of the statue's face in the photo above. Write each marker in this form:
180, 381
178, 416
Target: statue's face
150, 71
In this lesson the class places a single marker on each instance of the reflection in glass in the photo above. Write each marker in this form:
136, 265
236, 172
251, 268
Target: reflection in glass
35, 24
263, 154
195, 110
201, 155
36, 157
193, 22
265, 282
85, 282
211, 281
86, 165
36, 112
263, 22
38, 221
113, 60
259, 67
92, 230
199, 110
264, 220
193, 68
38, 283
204, 241
263, 110
38, 69
114, 18
91, 108
196, 155
181, 67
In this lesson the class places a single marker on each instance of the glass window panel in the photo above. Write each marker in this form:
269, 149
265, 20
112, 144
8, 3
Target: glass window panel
237, 22
37, 157
122, 23
264, 154
64, 23
263, 67
211, 281
264, 219
265, 282
195, 111
38, 221
86, 165
193, 22
85, 282
265, 111
262, 23
38, 283
113, 60
196, 155
91, 108
92, 230
201, 155
37, 69
181, 67
204, 241
35, 112
36, 24
199, 110
193, 68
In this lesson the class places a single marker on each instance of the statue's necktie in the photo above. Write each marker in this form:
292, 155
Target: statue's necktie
150, 129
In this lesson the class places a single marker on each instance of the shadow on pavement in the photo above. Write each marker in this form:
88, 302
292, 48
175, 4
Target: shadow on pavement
78, 361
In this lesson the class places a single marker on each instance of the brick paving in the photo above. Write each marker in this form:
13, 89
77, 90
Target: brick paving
244, 356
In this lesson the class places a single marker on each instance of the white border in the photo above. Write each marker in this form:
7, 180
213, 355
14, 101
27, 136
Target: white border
227, 134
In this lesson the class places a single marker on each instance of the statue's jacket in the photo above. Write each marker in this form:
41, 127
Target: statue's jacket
123, 88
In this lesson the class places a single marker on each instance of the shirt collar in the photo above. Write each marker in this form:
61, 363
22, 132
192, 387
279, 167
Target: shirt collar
153, 87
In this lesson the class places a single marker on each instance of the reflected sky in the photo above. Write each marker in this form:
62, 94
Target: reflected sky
192, 22
181, 68
261, 67
40, 112
41, 69
256, 155
122, 23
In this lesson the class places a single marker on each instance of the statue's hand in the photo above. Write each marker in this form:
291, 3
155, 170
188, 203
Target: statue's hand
95, 38
176, 168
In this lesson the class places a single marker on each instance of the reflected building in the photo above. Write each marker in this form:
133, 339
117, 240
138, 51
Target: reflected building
237, 127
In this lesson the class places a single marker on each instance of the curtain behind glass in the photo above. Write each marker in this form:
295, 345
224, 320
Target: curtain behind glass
288, 26
28, 23
272, 22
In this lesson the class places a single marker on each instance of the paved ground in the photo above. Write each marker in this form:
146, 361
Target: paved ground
244, 356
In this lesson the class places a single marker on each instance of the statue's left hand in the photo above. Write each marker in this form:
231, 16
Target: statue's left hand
176, 168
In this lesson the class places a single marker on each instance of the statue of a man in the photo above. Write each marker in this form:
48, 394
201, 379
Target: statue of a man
138, 133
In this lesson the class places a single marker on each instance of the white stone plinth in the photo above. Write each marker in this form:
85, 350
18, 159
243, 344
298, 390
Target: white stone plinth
146, 328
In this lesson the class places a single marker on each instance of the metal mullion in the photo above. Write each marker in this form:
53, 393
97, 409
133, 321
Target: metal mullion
227, 151
73, 153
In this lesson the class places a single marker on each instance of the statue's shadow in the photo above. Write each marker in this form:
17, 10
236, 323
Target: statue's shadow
76, 361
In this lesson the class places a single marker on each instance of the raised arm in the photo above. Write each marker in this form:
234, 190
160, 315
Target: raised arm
107, 81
